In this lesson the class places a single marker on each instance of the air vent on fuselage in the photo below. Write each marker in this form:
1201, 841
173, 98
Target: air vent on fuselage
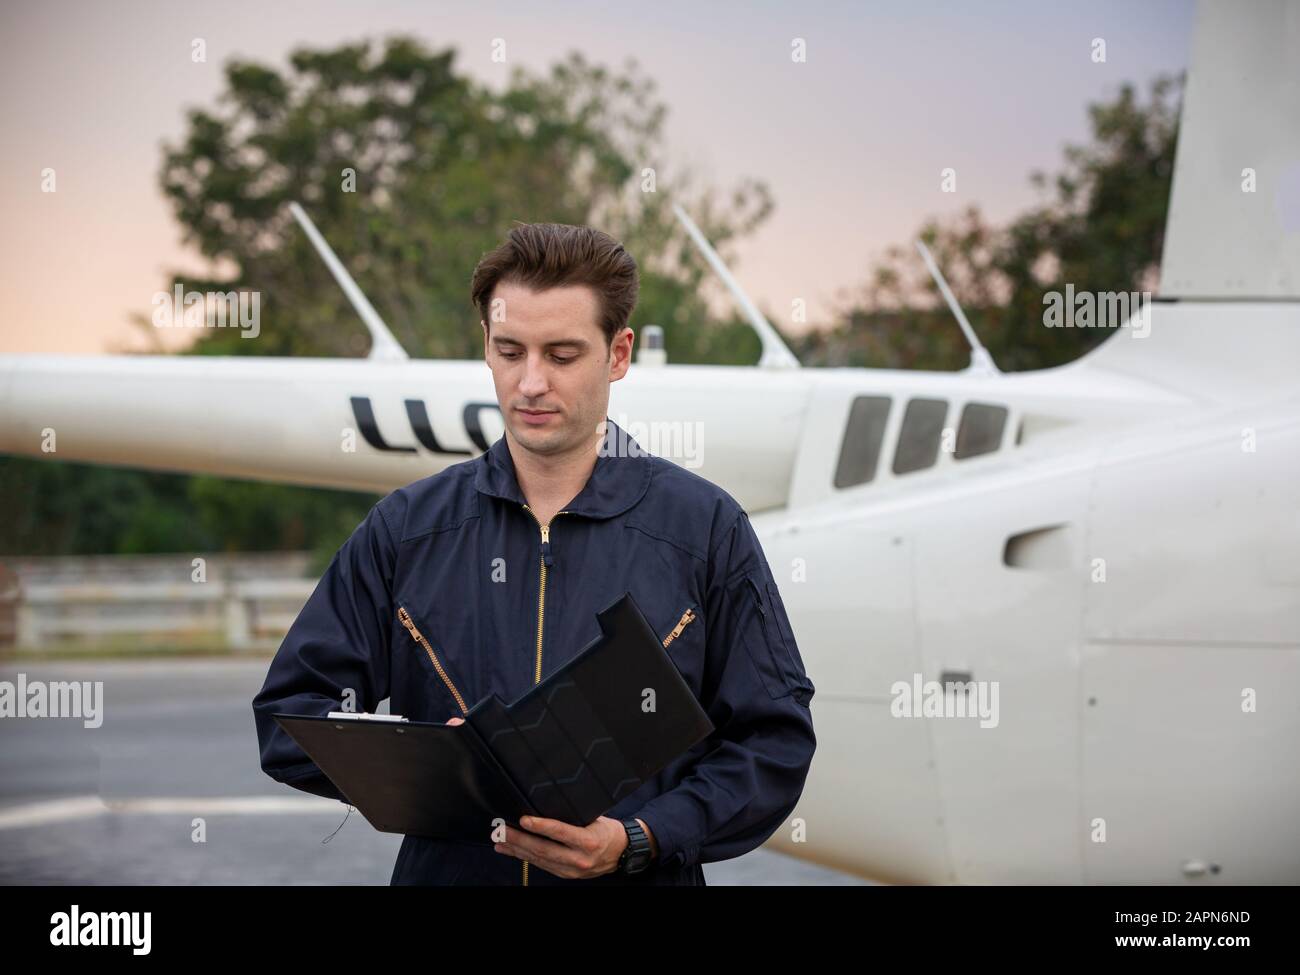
1039, 548
1034, 425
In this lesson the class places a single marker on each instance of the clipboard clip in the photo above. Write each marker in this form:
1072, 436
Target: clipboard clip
366, 715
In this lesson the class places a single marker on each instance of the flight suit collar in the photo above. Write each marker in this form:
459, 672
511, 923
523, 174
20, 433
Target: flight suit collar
617, 482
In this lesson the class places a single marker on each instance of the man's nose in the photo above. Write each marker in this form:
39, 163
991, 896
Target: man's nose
534, 381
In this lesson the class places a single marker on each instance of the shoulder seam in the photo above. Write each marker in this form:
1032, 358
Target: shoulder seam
730, 528
387, 524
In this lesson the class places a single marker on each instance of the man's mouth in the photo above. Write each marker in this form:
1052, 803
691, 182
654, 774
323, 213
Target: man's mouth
537, 416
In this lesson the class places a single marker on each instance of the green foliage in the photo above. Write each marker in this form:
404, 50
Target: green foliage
66, 509
57, 508
1101, 230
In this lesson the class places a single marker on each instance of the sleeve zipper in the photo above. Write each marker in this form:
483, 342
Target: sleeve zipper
407, 622
687, 617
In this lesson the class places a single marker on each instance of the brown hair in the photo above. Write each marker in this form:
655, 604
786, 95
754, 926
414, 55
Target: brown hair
550, 255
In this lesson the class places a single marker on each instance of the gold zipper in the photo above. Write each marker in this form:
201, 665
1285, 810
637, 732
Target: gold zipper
687, 617
407, 622
541, 611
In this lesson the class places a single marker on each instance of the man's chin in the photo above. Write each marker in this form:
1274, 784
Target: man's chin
540, 441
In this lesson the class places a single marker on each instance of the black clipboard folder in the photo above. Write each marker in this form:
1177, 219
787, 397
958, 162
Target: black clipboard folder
569, 749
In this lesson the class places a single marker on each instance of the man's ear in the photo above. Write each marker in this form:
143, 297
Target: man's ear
621, 353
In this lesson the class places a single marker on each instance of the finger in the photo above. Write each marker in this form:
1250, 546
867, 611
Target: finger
532, 847
555, 829
456, 721
558, 868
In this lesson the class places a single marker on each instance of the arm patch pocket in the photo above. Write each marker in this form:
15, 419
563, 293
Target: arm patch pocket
770, 643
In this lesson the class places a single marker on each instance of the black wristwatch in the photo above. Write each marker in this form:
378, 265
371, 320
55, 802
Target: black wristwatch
636, 857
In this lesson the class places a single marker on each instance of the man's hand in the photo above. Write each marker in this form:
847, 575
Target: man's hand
571, 852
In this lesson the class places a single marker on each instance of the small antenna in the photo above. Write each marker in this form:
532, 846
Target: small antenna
981, 363
776, 354
382, 343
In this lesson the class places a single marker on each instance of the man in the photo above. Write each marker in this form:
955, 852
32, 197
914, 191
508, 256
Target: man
488, 576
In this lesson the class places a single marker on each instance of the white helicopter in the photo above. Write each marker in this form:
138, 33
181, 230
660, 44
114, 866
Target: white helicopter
1112, 547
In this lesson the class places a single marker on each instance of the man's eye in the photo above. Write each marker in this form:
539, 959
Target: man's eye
562, 360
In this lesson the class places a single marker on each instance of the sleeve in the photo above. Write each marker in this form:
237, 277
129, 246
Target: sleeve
338, 643
758, 697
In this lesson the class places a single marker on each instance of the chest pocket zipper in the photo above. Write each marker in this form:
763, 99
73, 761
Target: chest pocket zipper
687, 617
409, 623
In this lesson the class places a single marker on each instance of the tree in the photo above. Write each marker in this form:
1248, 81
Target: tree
412, 171
1102, 230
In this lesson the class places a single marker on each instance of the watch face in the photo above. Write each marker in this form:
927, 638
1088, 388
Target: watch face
637, 862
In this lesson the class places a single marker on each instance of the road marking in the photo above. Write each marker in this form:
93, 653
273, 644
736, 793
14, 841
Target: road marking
88, 807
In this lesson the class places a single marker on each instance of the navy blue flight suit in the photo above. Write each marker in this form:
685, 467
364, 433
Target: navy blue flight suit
458, 562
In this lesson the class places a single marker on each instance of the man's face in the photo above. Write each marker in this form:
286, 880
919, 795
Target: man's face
551, 365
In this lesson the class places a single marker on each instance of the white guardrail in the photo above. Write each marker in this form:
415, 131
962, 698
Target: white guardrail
51, 606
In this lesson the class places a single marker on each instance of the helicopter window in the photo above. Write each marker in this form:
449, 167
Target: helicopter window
863, 434
918, 441
981, 429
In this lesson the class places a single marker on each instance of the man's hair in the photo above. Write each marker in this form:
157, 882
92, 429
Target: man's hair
550, 255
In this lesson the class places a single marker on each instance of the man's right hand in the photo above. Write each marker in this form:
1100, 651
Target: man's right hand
456, 721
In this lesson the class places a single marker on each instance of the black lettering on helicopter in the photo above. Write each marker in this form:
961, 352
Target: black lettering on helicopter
418, 415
